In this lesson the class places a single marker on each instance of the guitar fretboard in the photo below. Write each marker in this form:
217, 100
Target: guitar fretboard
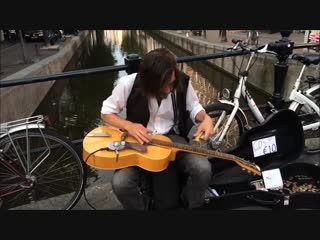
203, 151
195, 149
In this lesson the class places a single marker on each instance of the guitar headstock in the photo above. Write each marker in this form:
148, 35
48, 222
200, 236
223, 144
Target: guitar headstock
249, 166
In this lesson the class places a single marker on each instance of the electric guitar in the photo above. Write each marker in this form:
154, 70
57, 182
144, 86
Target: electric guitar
154, 156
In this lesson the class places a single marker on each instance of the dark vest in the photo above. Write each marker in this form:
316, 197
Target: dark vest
138, 108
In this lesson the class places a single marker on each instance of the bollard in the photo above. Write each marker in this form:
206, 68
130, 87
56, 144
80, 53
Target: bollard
133, 61
37, 49
1, 36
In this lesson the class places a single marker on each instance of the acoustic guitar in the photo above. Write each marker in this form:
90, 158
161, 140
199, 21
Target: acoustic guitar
154, 156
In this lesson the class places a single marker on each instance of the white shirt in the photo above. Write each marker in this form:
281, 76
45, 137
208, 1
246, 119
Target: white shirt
161, 117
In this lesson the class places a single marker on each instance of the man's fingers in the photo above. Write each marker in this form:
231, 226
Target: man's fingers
140, 140
197, 132
198, 135
206, 136
148, 130
143, 137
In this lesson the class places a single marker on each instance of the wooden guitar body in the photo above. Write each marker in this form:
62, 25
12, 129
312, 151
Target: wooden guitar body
155, 159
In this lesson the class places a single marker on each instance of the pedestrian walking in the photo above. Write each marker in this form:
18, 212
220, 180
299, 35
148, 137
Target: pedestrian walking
224, 36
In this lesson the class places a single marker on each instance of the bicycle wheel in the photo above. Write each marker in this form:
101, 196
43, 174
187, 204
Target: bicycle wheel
236, 128
52, 178
311, 136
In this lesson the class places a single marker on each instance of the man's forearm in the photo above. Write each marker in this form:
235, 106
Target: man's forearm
205, 127
116, 121
200, 116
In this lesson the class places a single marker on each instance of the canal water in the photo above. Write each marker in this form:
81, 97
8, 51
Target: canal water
74, 104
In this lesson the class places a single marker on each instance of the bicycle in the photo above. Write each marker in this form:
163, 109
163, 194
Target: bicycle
39, 169
231, 121
306, 102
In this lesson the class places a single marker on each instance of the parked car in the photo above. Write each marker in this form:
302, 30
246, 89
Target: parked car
31, 35
71, 32
196, 32
38, 35
56, 36
10, 35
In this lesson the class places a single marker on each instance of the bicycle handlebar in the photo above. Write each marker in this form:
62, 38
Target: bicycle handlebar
278, 48
244, 46
235, 41
312, 79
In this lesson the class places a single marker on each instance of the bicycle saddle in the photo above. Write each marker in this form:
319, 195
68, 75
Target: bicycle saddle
312, 79
307, 59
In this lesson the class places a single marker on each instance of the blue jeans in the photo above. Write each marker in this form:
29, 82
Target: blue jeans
135, 187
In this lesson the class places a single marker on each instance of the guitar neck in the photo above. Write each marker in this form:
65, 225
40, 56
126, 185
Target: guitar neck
206, 152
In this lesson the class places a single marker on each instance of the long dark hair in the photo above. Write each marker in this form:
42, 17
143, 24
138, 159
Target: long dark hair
156, 70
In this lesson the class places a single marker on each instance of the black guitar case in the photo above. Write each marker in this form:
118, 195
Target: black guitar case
301, 191
287, 129
234, 186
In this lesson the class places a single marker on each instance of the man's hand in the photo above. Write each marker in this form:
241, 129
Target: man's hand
139, 132
205, 127
136, 130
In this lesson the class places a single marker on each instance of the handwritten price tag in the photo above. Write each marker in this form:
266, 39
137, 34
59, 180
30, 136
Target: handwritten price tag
264, 146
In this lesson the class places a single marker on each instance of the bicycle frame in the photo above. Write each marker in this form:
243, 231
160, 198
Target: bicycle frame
240, 91
296, 96
35, 122
305, 99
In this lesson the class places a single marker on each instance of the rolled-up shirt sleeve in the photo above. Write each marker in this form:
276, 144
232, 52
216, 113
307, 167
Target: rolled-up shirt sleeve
193, 104
120, 93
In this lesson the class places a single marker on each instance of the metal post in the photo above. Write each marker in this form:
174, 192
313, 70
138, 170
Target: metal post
306, 36
133, 62
1, 36
283, 48
306, 39
45, 36
22, 46
280, 72
37, 49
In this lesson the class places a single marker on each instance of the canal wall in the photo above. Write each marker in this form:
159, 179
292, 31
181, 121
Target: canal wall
21, 101
261, 75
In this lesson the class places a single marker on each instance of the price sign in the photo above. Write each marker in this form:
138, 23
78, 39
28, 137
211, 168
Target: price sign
264, 146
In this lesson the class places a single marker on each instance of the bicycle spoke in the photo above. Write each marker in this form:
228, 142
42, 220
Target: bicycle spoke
58, 188
58, 180
57, 175
15, 197
53, 157
7, 187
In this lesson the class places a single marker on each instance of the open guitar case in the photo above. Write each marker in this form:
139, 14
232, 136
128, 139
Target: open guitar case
234, 187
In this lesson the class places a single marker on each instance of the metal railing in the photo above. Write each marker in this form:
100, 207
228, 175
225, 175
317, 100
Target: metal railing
131, 65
